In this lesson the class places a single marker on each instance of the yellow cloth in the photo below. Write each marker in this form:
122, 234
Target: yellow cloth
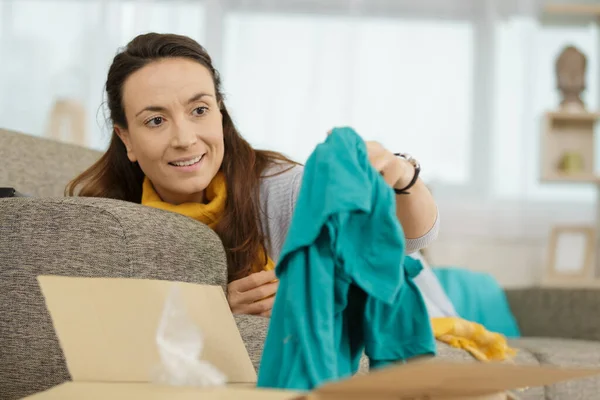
473, 337
208, 213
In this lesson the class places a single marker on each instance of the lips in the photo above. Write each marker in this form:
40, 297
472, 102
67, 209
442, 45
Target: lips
186, 162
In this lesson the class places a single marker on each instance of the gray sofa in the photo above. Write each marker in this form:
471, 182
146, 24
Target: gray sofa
50, 234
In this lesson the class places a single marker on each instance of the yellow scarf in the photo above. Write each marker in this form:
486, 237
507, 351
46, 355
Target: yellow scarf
472, 337
456, 332
208, 213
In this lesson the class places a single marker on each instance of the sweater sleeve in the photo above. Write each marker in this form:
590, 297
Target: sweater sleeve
419, 243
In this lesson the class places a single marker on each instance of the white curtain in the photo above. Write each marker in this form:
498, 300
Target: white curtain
460, 84
62, 49
404, 82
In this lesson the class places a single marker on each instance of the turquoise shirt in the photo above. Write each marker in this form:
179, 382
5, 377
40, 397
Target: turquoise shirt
345, 283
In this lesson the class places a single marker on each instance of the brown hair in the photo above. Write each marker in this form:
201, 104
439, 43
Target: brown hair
114, 176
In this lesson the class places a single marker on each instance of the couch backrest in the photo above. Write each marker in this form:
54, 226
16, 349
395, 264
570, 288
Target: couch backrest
84, 237
40, 167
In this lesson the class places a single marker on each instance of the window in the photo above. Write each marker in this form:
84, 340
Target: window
62, 49
406, 80
406, 83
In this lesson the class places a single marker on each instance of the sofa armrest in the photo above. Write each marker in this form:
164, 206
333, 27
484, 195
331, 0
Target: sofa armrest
103, 237
89, 238
556, 312
253, 330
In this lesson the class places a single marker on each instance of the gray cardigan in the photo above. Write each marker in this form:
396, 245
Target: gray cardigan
278, 195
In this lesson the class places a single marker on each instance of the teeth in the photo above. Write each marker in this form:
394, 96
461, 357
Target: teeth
187, 163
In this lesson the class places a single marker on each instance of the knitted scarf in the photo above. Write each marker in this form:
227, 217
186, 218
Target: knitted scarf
209, 213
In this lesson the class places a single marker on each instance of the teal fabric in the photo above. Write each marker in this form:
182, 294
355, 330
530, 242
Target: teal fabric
345, 283
478, 297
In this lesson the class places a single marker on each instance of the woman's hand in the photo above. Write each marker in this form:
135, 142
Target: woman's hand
396, 171
253, 294
416, 212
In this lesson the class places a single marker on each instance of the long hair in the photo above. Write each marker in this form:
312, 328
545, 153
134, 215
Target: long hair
114, 176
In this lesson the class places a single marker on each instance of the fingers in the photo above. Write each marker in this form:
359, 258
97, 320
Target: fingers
252, 281
261, 292
385, 162
378, 155
253, 294
262, 307
393, 171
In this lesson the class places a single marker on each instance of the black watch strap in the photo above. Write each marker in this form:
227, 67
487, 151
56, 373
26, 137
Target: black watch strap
417, 168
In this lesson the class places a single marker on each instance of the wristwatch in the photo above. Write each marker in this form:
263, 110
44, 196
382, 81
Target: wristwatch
417, 168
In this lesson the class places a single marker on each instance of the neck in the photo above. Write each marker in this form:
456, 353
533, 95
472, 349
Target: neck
177, 198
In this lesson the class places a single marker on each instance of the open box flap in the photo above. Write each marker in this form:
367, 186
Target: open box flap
435, 378
146, 391
107, 327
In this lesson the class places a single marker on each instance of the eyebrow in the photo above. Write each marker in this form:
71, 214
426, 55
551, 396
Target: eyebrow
192, 99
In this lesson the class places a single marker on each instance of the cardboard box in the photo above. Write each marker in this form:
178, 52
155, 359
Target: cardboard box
107, 330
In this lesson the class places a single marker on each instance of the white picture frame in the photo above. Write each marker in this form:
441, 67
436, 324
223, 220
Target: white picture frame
570, 255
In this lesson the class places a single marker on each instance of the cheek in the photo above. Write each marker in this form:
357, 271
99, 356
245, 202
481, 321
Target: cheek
215, 138
147, 149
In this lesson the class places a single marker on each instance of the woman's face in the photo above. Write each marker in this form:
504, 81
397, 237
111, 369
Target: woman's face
175, 129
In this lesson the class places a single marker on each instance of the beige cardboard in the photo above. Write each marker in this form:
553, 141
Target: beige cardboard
454, 380
146, 391
350, 396
107, 327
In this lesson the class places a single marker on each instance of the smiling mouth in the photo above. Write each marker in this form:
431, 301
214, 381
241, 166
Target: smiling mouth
187, 163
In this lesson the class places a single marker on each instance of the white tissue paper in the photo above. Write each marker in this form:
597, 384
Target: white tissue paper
180, 345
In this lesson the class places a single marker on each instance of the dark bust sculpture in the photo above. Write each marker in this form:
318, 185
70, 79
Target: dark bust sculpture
570, 76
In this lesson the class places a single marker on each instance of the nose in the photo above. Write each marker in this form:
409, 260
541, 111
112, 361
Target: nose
184, 136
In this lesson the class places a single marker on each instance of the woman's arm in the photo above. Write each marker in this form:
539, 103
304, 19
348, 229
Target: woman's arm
418, 215
416, 211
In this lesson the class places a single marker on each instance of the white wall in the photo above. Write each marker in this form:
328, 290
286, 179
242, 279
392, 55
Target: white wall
507, 239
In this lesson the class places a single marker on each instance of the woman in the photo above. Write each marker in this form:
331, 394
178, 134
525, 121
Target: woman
174, 146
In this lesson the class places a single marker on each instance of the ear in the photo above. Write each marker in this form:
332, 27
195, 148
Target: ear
124, 136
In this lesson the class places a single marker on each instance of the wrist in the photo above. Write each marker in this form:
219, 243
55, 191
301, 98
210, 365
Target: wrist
414, 168
408, 171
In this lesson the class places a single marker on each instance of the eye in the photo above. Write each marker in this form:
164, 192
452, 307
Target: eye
200, 110
154, 122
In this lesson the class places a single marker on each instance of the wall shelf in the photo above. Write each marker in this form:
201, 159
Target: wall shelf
573, 116
573, 9
570, 178
568, 143
568, 137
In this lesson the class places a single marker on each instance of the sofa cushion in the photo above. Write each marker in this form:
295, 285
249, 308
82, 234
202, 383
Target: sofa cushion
523, 357
38, 166
566, 353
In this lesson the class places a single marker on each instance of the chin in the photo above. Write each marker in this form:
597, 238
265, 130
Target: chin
193, 185
190, 188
